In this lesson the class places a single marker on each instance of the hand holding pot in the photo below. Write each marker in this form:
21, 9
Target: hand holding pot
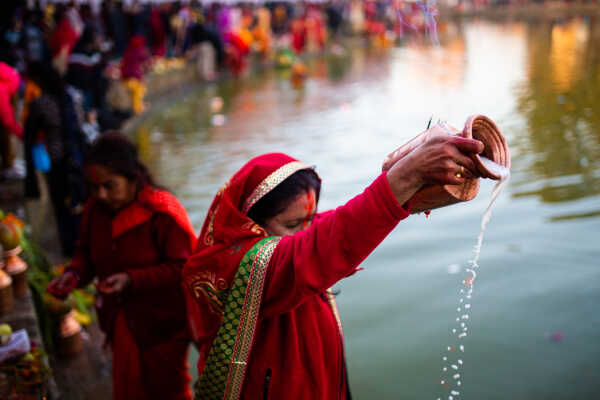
61, 286
439, 160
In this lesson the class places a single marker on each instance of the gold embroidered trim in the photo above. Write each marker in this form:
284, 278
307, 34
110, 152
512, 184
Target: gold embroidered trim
254, 228
208, 238
205, 285
271, 181
248, 320
231, 347
335, 310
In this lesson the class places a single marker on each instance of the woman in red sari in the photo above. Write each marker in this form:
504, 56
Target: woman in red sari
135, 239
258, 284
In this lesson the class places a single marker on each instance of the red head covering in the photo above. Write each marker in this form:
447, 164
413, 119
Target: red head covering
226, 236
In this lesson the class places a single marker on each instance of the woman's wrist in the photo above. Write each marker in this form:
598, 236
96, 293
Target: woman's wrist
403, 182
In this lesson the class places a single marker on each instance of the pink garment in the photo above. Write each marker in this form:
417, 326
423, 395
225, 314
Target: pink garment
9, 84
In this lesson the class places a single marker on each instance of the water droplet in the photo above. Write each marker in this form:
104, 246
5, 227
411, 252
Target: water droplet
442, 382
453, 269
457, 319
461, 300
466, 316
454, 366
444, 358
468, 296
444, 369
462, 324
454, 392
450, 398
449, 348
467, 306
456, 376
458, 309
462, 348
458, 383
453, 330
460, 361
462, 335
465, 329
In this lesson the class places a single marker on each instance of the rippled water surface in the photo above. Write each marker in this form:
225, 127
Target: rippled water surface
535, 327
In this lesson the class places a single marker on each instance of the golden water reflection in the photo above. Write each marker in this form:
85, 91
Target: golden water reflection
559, 101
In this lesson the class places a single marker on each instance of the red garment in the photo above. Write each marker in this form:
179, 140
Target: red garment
135, 57
150, 240
159, 35
298, 343
9, 84
65, 35
298, 35
236, 53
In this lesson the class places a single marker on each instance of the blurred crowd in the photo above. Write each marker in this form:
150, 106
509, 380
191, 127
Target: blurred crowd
70, 71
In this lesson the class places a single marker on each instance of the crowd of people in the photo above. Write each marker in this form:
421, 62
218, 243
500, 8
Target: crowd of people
60, 63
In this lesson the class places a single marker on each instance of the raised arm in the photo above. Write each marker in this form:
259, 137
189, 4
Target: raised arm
312, 260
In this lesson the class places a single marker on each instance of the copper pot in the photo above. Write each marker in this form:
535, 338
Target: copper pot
17, 269
477, 127
70, 341
6, 293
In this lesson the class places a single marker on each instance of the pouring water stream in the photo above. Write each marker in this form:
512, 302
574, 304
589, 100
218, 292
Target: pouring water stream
451, 378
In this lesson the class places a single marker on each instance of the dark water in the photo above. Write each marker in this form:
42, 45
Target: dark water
534, 331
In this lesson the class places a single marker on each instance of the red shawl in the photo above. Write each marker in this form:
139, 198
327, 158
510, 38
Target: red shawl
226, 236
149, 201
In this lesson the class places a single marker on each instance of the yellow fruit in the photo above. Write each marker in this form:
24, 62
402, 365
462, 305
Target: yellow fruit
82, 318
10, 236
5, 329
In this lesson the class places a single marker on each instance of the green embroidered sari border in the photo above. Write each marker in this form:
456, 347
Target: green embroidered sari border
223, 375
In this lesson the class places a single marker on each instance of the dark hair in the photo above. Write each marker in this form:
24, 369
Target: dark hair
278, 199
117, 153
47, 78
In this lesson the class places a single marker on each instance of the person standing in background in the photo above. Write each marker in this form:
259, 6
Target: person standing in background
135, 238
9, 85
133, 66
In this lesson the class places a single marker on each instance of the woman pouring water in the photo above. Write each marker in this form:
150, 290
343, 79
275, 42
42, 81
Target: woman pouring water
258, 283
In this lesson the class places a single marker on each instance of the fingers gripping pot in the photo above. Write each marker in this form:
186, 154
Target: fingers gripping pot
477, 127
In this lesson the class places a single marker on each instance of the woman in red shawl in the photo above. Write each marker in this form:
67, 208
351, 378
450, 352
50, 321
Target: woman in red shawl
258, 284
135, 238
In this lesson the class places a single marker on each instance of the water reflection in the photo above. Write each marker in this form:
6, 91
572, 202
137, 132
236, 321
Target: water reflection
559, 101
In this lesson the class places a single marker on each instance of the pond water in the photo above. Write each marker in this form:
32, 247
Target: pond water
534, 324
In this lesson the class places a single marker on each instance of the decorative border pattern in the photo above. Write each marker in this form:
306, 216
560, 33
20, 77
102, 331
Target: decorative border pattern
225, 369
335, 310
248, 319
271, 181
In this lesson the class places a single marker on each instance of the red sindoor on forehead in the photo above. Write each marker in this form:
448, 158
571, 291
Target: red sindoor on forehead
309, 206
